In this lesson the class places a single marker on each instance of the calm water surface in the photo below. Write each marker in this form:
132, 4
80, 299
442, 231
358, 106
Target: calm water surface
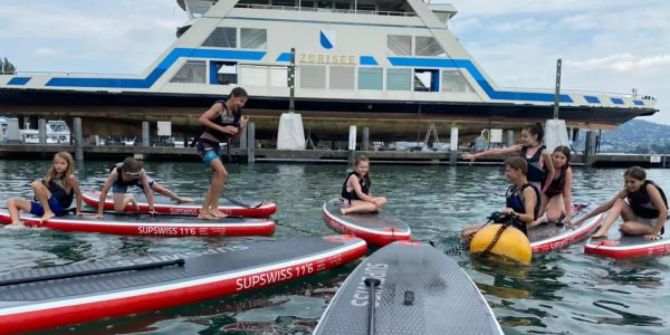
563, 292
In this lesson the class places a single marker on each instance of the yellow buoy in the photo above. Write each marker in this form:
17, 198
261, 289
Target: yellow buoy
512, 244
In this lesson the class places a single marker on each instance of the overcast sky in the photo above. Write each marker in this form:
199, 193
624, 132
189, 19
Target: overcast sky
606, 45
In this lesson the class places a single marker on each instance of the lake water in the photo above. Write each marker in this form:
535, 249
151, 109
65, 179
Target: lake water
562, 292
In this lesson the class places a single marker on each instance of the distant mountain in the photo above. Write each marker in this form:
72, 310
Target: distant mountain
637, 136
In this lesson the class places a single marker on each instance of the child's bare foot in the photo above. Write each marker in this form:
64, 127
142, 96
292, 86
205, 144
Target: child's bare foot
598, 235
184, 200
47, 216
204, 215
218, 214
343, 211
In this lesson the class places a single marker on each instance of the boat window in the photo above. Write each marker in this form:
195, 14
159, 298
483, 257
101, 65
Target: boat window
399, 79
223, 73
342, 77
191, 72
428, 46
199, 8
399, 45
426, 80
370, 78
222, 37
325, 4
253, 75
307, 4
253, 38
342, 5
312, 76
454, 81
284, 3
370, 7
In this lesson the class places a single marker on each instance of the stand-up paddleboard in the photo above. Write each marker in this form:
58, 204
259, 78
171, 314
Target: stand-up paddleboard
374, 228
59, 296
550, 236
162, 204
419, 290
620, 246
147, 225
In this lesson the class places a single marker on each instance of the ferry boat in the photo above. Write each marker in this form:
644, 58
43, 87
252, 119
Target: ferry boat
384, 61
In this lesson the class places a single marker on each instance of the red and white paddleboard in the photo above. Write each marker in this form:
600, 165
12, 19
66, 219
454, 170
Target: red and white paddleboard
549, 236
621, 247
377, 228
163, 205
59, 296
148, 225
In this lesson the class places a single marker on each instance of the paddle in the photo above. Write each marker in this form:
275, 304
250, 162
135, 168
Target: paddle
155, 265
372, 283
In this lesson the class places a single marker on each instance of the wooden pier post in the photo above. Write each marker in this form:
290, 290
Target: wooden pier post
352, 144
78, 139
453, 146
590, 148
510, 138
145, 134
251, 143
366, 139
42, 128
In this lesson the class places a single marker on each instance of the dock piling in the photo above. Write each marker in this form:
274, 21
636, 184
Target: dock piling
78, 139
453, 146
366, 139
251, 143
145, 134
352, 144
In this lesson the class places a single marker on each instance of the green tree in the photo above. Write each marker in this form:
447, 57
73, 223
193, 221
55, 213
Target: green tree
6, 67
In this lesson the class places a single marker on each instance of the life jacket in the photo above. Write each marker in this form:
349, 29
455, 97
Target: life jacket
224, 120
513, 200
57, 191
351, 195
641, 204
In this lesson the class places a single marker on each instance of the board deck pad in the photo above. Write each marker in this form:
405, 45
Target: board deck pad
162, 204
445, 300
620, 246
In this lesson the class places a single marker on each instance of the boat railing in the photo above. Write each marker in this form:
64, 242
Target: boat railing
587, 92
329, 10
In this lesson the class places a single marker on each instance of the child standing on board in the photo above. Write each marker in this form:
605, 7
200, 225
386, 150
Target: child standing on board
559, 191
129, 173
222, 121
53, 194
641, 204
356, 190
540, 165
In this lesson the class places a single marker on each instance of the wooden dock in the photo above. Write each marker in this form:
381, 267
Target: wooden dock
159, 153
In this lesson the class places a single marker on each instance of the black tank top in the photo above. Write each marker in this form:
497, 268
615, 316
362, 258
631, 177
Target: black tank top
119, 176
536, 172
641, 204
224, 120
64, 198
365, 187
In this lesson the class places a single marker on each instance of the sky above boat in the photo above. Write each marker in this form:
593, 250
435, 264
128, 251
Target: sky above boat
607, 45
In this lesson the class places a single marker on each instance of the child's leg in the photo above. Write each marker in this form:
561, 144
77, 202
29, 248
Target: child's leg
121, 200
555, 208
358, 206
14, 205
219, 177
634, 228
468, 232
42, 194
379, 202
620, 208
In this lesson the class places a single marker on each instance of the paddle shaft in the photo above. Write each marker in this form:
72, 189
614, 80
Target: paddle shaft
372, 283
138, 267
